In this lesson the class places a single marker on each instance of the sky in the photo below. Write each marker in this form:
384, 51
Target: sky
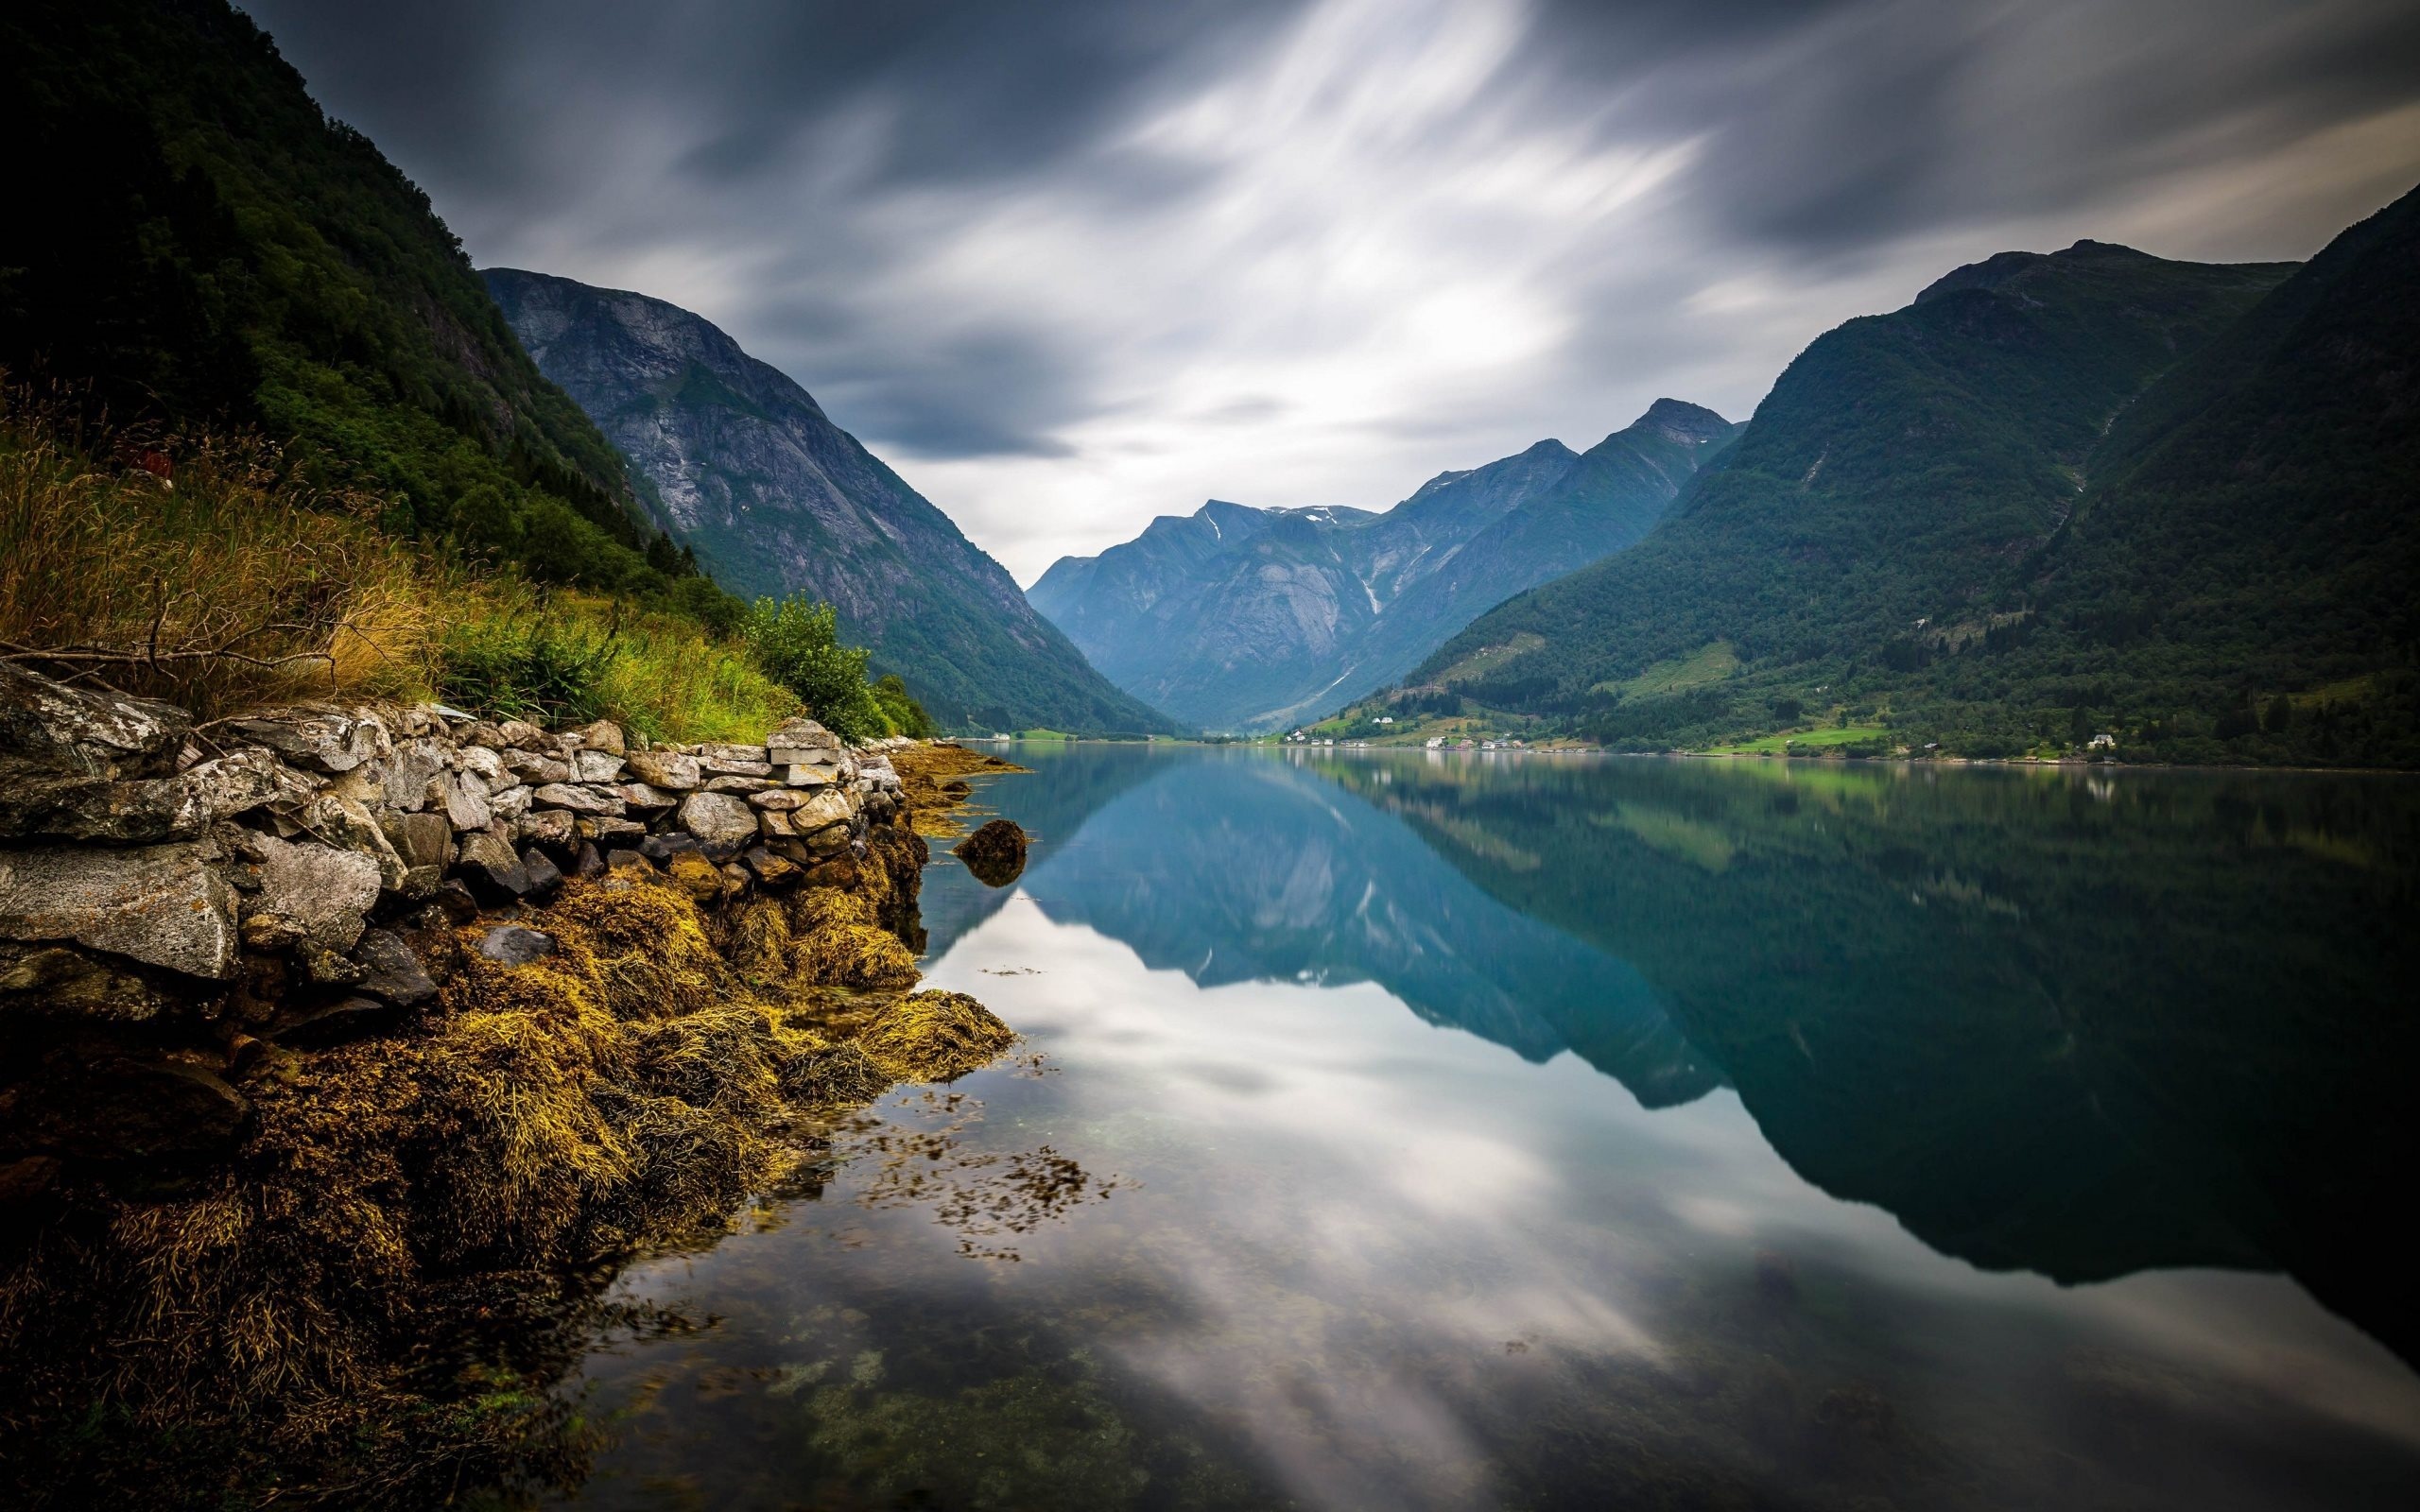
1068, 265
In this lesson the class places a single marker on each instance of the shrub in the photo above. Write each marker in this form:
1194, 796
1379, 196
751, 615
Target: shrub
796, 641
900, 709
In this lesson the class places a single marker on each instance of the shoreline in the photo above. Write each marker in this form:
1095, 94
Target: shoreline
361, 1271
2061, 763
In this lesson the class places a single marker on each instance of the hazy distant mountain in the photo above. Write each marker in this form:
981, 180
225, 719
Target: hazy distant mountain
1237, 618
774, 498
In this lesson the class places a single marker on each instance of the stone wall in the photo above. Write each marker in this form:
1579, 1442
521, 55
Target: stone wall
173, 897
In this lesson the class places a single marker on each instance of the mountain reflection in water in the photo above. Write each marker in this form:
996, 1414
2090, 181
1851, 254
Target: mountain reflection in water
2061, 1027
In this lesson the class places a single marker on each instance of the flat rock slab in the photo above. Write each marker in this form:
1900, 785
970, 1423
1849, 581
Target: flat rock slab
664, 769
159, 904
322, 740
47, 728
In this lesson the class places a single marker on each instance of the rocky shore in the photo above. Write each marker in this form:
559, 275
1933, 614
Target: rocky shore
319, 1025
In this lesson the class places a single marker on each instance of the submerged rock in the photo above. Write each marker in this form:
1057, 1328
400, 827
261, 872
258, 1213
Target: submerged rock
996, 853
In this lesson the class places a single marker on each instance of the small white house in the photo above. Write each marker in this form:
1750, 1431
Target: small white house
2105, 741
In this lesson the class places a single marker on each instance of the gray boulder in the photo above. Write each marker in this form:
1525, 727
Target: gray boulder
139, 811
345, 823
489, 867
537, 766
604, 735
317, 892
415, 765
578, 800
393, 973
421, 839
514, 945
51, 730
462, 797
159, 904
722, 822
551, 827
596, 767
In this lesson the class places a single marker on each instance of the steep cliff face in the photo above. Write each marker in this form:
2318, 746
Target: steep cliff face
775, 498
1237, 618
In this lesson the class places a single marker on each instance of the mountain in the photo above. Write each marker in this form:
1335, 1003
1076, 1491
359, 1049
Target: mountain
1239, 618
196, 243
2061, 495
774, 498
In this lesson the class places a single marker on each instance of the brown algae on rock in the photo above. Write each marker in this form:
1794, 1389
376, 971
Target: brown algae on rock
934, 1036
994, 853
628, 1088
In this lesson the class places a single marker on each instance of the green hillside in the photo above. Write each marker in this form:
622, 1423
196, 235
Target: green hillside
195, 242
2057, 496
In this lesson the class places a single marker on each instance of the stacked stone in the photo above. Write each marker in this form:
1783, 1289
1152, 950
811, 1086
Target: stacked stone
298, 873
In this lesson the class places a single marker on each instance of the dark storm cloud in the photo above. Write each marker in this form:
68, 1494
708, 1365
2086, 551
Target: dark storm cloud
1076, 262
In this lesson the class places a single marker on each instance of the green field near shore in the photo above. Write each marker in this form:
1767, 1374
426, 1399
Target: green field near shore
1804, 740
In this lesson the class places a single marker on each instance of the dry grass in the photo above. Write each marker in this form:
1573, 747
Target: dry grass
191, 570
195, 569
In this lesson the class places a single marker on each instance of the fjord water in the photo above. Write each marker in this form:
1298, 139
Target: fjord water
1398, 1130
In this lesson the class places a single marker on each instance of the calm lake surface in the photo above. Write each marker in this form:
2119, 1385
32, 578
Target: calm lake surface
1398, 1130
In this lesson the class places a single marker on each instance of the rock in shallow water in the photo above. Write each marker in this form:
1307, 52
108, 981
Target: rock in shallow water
996, 853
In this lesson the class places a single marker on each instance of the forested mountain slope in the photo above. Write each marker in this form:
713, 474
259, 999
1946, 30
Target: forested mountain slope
193, 240
774, 499
1251, 619
1927, 532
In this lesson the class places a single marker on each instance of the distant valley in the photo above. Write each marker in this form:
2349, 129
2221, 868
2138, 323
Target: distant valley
1247, 619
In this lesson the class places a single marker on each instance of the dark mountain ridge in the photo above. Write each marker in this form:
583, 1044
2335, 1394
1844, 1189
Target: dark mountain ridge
2058, 496
774, 498
198, 243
